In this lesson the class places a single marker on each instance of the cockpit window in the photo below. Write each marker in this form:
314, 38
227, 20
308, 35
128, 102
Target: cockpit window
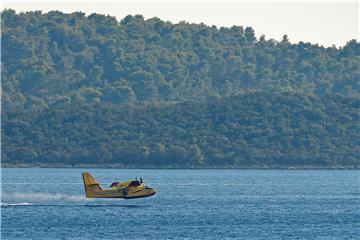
114, 184
134, 184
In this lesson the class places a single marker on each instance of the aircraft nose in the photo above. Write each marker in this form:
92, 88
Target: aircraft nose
150, 190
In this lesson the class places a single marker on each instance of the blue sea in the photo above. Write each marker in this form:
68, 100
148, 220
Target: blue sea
189, 204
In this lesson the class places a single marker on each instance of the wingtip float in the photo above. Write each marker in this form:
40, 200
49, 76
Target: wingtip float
127, 190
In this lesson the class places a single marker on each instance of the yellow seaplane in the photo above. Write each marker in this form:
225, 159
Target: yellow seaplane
127, 190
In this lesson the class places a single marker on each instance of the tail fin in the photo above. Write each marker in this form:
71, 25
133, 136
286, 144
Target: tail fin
90, 184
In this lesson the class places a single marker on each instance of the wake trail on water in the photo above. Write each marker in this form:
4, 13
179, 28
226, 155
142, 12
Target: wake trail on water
45, 197
24, 199
9, 205
16, 204
48, 199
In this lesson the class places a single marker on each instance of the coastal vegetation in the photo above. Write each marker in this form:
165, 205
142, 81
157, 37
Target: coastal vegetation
80, 89
257, 129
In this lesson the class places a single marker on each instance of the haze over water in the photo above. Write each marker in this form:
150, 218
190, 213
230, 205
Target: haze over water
189, 204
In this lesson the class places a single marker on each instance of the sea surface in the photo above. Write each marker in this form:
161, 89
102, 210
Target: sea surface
189, 204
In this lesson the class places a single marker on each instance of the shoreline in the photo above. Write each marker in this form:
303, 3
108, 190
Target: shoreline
235, 167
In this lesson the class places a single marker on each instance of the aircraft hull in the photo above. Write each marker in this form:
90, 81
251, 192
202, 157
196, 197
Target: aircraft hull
120, 194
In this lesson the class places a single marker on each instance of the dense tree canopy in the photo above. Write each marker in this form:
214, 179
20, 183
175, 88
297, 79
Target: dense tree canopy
55, 57
91, 89
255, 129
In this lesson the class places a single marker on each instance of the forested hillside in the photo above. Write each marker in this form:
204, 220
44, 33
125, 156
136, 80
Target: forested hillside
57, 58
254, 129
90, 89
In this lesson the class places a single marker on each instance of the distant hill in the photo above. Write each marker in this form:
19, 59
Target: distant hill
82, 89
55, 58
